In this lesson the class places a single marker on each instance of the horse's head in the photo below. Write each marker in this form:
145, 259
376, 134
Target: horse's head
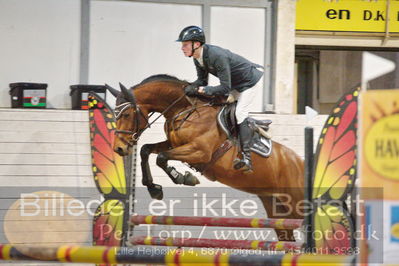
131, 120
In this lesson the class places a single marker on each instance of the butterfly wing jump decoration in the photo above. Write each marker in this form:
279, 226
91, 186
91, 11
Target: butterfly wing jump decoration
334, 176
109, 224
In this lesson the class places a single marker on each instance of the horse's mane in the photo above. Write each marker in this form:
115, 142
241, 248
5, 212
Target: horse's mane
159, 77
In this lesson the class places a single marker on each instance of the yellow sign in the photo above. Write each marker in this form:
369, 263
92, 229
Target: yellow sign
395, 230
347, 15
381, 146
379, 141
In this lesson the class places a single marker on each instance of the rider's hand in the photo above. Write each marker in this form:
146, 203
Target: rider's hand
190, 90
201, 90
231, 98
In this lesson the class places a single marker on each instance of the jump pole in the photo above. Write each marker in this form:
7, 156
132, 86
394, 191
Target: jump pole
139, 255
217, 221
217, 243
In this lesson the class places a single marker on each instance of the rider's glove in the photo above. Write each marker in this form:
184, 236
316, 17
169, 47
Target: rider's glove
190, 90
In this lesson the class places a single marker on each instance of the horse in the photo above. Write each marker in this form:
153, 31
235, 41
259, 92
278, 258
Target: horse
193, 135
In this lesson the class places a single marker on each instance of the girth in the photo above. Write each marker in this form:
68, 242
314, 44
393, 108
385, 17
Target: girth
225, 147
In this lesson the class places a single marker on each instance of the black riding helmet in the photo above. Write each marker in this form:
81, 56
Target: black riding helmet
192, 33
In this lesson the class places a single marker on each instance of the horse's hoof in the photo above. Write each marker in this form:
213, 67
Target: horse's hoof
190, 179
156, 192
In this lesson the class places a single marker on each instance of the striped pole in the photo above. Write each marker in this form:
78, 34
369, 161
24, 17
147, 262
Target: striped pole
212, 221
178, 257
216, 243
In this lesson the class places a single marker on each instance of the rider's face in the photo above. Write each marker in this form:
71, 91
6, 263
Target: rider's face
187, 47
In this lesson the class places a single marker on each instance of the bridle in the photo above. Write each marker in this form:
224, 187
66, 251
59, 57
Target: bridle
136, 132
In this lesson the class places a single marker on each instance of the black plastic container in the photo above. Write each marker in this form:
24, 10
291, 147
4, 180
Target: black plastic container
79, 94
28, 95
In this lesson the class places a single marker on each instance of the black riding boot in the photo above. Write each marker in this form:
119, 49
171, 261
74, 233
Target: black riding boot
245, 141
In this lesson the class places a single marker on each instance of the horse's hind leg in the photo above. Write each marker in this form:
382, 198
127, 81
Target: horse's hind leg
186, 153
154, 189
280, 212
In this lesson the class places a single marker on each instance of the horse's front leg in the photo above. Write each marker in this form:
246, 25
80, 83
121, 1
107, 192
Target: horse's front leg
154, 189
188, 153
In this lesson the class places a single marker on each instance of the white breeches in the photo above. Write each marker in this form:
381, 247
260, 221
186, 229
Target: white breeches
245, 101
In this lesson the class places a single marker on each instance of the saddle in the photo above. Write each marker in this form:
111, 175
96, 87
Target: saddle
261, 141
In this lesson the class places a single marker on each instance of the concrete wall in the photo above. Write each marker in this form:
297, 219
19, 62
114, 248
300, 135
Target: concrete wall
285, 58
133, 40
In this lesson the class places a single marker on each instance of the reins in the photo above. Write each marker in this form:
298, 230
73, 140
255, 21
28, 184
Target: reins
189, 112
137, 132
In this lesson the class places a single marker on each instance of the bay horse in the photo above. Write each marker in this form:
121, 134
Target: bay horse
193, 135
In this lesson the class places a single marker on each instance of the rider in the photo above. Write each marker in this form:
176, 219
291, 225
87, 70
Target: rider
237, 77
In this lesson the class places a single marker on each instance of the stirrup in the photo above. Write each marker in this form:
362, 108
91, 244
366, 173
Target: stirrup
242, 163
238, 163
